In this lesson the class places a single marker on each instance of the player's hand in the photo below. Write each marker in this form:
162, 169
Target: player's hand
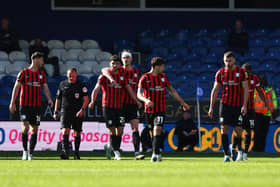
139, 104
185, 106
13, 108
55, 116
80, 114
210, 113
243, 110
50, 102
149, 103
91, 105
114, 83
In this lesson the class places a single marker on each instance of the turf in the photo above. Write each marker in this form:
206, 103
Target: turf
176, 171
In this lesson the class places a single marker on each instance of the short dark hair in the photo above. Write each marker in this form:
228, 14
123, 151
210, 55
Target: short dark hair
229, 54
115, 58
72, 70
247, 67
37, 55
157, 61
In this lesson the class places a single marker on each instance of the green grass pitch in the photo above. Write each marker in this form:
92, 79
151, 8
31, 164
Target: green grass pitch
183, 170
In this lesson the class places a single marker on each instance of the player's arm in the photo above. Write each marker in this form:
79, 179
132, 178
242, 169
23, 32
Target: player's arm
16, 88
246, 96
56, 108
106, 73
133, 95
213, 98
176, 96
94, 95
141, 97
48, 94
85, 104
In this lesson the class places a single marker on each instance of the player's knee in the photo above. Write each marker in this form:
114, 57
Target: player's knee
66, 131
224, 129
157, 130
238, 131
77, 133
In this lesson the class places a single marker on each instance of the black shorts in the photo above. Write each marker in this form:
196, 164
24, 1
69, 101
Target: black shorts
69, 120
230, 115
30, 114
155, 119
248, 121
131, 112
114, 117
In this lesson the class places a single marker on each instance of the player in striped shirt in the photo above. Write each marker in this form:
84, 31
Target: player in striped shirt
151, 91
113, 96
233, 103
249, 118
29, 81
131, 112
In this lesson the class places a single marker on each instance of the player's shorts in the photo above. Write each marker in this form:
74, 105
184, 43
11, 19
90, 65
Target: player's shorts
70, 121
230, 115
155, 119
114, 117
131, 112
249, 119
30, 114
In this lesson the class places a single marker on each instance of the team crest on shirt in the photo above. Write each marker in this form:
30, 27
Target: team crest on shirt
252, 81
85, 90
121, 77
237, 74
77, 95
162, 79
40, 76
135, 75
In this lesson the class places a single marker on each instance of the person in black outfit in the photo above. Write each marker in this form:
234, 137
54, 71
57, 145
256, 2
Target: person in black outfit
8, 37
38, 46
72, 96
186, 131
238, 38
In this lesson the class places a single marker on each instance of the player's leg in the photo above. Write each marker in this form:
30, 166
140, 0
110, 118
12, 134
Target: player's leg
34, 124
77, 126
24, 138
238, 133
158, 121
65, 128
225, 142
119, 121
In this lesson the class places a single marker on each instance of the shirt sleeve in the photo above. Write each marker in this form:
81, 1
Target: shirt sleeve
258, 83
20, 77
100, 80
167, 83
59, 92
218, 76
244, 75
84, 90
142, 82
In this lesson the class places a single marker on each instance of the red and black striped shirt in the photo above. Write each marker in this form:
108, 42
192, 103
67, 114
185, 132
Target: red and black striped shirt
231, 82
133, 76
113, 96
31, 83
253, 82
154, 89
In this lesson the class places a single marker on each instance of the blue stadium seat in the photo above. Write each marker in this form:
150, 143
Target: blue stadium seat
6, 90
183, 35
82, 78
219, 51
221, 33
180, 51
9, 80
201, 33
272, 56
275, 42
260, 33
4, 113
212, 58
201, 51
274, 49
218, 42
275, 33
199, 42
192, 57
160, 51
192, 67
206, 77
251, 55
205, 67
146, 43
258, 42
258, 50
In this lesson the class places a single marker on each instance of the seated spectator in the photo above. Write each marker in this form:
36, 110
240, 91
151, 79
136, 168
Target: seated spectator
186, 131
39, 47
238, 38
8, 37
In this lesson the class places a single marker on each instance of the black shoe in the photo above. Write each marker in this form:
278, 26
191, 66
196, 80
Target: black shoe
77, 156
64, 156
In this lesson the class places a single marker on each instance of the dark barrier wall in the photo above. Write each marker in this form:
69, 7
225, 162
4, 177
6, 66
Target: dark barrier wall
35, 18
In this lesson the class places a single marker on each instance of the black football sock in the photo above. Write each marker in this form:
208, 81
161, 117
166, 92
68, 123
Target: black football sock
119, 140
77, 143
65, 143
247, 141
156, 144
136, 141
24, 138
33, 142
235, 142
239, 141
114, 142
225, 143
